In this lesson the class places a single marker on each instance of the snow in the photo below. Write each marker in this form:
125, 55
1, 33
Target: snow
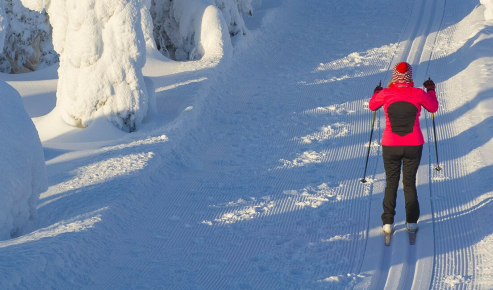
488, 12
178, 28
201, 22
23, 172
246, 172
102, 53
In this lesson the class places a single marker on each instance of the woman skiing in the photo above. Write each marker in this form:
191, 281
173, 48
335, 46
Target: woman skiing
402, 141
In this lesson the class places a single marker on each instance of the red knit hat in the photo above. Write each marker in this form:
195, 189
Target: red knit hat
402, 73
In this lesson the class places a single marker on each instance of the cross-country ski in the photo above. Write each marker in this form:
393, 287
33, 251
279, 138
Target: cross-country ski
388, 238
412, 238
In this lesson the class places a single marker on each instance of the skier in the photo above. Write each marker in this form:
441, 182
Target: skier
402, 141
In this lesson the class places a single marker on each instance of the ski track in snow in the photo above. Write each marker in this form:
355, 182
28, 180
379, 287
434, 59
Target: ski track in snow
461, 194
402, 266
446, 254
263, 191
280, 175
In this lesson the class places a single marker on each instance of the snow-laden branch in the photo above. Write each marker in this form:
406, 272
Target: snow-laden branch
488, 13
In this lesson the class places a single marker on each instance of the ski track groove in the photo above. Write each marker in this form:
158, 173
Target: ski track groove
450, 241
401, 265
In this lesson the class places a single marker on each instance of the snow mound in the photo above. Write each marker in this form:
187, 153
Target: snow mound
23, 176
214, 37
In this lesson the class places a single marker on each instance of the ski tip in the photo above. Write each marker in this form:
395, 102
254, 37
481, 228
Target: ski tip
412, 238
388, 237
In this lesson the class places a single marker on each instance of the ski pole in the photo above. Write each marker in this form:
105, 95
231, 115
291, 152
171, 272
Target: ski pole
371, 135
369, 146
435, 135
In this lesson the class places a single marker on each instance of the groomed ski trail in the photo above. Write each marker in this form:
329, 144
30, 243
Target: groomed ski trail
261, 189
462, 192
265, 193
401, 265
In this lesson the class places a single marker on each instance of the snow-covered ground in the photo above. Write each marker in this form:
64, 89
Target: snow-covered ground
247, 176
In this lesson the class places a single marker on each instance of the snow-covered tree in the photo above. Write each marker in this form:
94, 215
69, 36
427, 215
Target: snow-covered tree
3, 24
147, 25
102, 53
23, 171
174, 31
232, 11
28, 39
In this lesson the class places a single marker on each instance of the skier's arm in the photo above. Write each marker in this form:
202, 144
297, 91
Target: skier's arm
429, 101
376, 101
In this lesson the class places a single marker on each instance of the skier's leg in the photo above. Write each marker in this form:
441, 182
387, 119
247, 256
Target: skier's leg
392, 158
412, 157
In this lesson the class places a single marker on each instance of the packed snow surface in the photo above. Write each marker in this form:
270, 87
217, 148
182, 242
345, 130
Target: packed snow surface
248, 174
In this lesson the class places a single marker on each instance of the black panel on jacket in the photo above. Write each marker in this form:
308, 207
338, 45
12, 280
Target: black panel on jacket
402, 116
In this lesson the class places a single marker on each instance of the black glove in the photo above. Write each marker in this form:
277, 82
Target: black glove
378, 88
429, 85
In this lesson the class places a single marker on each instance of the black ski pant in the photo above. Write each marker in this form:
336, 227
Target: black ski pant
395, 157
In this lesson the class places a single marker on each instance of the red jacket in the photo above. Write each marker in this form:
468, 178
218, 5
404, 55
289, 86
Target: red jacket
402, 105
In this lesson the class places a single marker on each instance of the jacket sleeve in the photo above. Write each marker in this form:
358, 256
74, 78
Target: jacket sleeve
429, 101
376, 101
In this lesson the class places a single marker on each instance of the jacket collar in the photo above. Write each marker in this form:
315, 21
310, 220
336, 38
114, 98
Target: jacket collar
401, 85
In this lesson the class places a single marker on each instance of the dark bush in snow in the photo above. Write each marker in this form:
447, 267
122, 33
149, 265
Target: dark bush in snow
28, 41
